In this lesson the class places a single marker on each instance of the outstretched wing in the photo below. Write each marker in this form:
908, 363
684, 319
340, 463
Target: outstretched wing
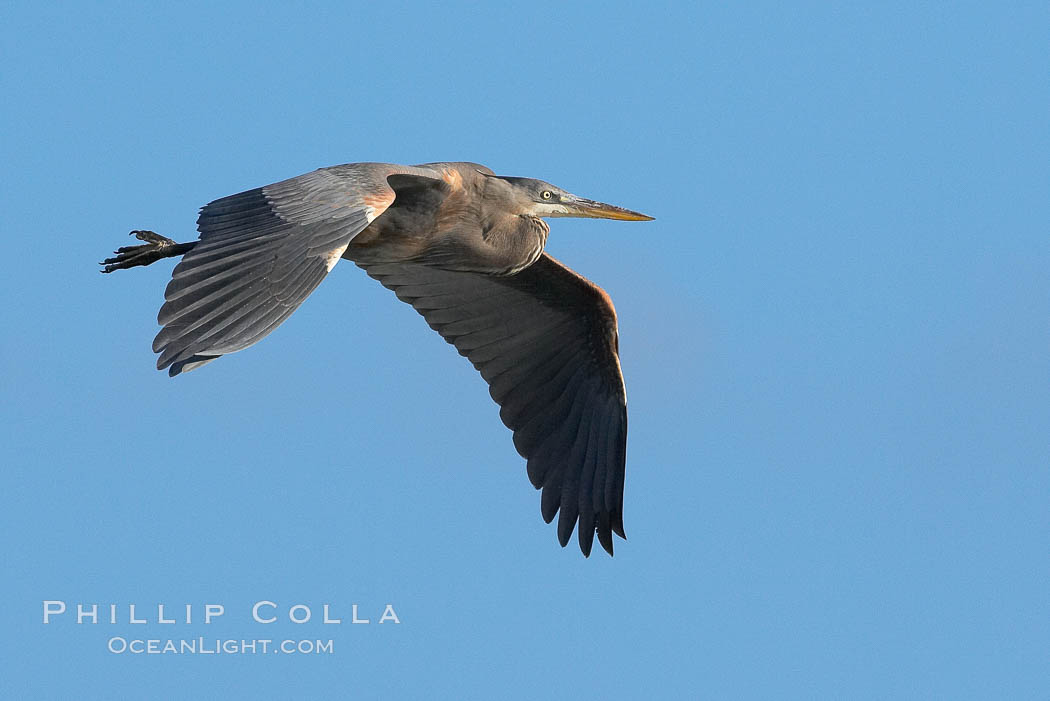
260, 254
545, 340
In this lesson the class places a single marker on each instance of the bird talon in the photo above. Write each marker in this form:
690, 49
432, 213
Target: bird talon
152, 237
154, 248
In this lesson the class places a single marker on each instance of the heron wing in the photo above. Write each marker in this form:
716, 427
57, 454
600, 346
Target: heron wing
260, 254
545, 340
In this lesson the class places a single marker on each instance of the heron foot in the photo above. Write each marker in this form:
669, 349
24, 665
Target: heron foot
155, 248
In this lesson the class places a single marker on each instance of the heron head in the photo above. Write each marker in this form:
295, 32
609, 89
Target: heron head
541, 199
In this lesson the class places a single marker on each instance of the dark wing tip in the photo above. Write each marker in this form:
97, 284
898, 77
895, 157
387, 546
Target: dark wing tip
191, 363
586, 539
617, 524
603, 528
566, 525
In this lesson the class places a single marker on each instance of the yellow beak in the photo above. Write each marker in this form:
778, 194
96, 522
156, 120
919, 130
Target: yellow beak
580, 207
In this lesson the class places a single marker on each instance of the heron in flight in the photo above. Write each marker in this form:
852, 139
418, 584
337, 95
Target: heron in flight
464, 247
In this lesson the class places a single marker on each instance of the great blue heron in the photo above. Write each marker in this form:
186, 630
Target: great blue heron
465, 248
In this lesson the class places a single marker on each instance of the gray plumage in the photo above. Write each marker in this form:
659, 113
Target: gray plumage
464, 247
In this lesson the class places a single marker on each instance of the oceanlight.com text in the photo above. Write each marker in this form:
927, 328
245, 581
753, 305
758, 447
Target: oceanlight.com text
218, 646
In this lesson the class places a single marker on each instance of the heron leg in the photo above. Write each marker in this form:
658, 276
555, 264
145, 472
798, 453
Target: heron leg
155, 248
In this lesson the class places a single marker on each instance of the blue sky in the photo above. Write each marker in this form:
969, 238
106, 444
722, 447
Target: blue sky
835, 338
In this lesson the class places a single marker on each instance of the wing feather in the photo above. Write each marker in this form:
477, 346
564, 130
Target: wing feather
261, 253
545, 341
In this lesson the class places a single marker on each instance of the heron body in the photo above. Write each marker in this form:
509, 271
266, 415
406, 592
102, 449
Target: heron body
465, 248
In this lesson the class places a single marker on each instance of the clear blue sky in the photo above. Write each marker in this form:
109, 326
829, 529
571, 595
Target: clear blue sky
835, 337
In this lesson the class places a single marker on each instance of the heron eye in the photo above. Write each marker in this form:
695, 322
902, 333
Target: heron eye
546, 194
